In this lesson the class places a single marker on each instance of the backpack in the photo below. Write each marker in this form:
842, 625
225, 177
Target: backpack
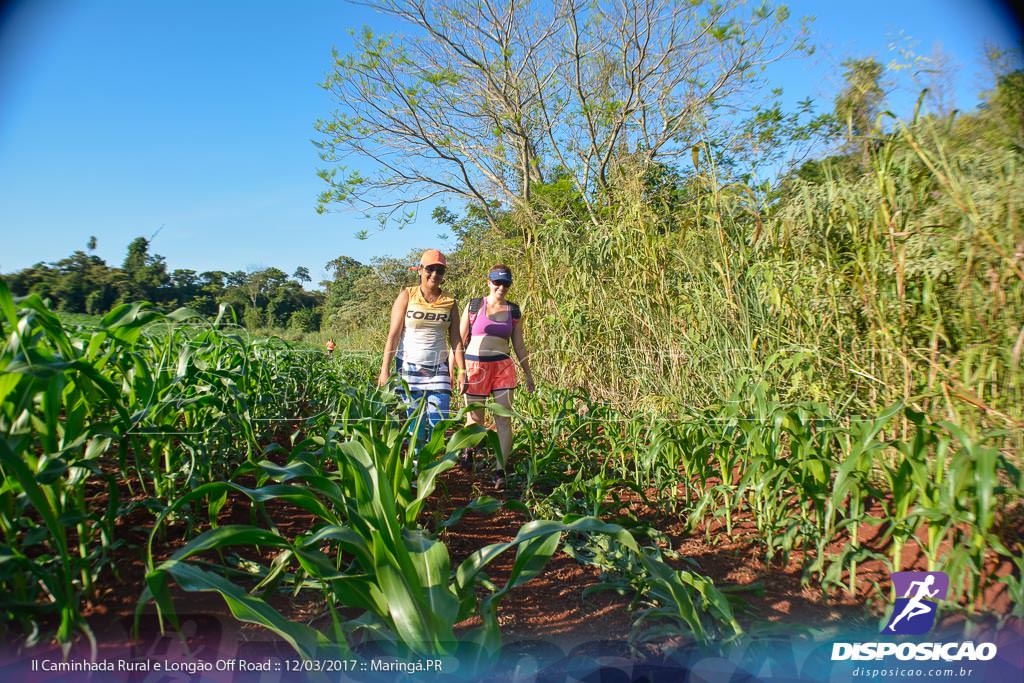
474, 309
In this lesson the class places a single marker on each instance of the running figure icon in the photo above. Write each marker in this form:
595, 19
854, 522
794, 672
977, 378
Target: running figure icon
915, 606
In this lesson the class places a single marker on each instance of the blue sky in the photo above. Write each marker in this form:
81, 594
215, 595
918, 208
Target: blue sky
119, 118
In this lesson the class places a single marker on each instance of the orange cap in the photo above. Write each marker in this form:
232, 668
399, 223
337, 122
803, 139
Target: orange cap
432, 257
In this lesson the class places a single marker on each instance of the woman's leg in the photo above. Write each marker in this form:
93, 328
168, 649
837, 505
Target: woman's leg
417, 428
429, 392
438, 404
503, 397
473, 417
476, 389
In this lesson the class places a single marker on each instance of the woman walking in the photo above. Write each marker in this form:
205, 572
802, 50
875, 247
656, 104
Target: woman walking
424, 322
488, 325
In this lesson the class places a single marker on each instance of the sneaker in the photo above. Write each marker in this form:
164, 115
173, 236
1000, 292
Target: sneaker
499, 480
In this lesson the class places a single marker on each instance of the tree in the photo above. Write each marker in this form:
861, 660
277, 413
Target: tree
236, 278
36, 279
373, 290
261, 285
91, 244
82, 283
209, 292
287, 300
1006, 102
234, 293
138, 256
184, 286
934, 73
71, 285
302, 274
305, 320
85, 283
212, 281
857, 105
146, 276
483, 101
941, 73
345, 270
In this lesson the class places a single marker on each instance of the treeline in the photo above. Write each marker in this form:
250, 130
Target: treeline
85, 283
266, 299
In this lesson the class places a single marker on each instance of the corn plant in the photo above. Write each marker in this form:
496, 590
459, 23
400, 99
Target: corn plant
367, 548
53, 432
682, 601
379, 562
138, 384
956, 482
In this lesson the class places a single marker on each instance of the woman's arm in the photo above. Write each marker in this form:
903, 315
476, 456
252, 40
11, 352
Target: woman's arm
464, 336
398, 310
455, 338
520, 348
464, 327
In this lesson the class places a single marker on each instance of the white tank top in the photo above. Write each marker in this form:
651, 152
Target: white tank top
425, 339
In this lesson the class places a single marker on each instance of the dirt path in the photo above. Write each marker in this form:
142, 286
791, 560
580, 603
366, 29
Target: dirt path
549, 608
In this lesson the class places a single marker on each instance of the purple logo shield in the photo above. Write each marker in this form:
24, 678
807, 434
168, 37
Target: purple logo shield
917, 596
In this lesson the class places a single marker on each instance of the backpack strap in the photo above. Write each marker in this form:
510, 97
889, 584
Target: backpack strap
475, 305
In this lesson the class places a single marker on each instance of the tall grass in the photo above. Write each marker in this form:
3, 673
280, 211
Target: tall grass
860, 287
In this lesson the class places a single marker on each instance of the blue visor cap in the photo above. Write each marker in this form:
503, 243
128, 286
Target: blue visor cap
500, 275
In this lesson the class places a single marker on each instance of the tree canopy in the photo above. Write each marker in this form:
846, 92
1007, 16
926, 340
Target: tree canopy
482, 101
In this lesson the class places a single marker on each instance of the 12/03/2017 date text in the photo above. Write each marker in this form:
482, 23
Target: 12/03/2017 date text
330, 665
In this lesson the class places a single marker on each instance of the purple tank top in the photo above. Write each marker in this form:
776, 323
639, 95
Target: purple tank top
483, 325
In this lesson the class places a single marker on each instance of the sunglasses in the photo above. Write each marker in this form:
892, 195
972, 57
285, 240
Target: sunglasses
501, 283
436, 269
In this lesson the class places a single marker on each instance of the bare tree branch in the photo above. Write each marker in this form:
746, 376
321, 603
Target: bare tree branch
484, 99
